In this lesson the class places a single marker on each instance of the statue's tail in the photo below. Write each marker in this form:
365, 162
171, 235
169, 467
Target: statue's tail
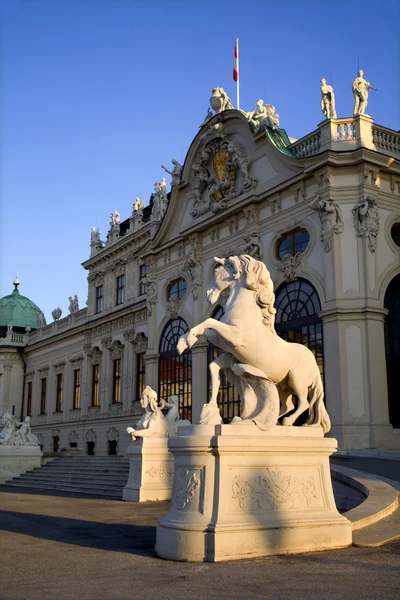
317, 411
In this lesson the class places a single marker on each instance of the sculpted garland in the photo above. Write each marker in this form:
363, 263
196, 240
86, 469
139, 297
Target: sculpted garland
266, 370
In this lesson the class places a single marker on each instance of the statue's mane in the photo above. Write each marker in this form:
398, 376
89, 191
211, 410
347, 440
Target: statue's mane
258, 279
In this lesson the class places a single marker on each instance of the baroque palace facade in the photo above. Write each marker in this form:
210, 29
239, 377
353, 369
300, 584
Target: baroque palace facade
322, 212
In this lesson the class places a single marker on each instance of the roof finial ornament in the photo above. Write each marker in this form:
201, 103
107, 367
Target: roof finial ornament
16, 283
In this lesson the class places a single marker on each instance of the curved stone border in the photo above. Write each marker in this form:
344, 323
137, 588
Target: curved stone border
381, 498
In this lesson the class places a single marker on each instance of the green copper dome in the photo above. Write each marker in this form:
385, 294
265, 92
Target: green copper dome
18, 310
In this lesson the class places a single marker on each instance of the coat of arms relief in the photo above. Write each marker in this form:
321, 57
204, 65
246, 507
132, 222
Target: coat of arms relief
221, 171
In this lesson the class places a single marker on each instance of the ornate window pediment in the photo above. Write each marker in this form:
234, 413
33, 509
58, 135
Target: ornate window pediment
221, 170
116, 350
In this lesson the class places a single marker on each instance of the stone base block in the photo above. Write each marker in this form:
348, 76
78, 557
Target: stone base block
241, 493
16, 460
151, 471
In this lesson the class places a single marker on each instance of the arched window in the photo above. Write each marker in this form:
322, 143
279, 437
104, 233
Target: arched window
292, 242
297, 307
175, 372
392, 346
228, 398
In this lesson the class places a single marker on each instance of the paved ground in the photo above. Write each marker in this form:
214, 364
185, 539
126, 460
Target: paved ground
377, 466
74, 548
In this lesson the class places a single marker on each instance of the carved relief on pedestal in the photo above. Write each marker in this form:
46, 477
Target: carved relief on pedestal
163, 473
275, 489
221, 170
186, 488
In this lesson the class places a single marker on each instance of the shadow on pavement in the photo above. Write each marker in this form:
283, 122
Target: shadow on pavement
116, 537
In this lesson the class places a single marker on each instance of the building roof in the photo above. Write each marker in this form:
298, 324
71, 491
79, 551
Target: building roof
18, 310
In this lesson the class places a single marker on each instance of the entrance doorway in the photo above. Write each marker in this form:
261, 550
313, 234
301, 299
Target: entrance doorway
392, 347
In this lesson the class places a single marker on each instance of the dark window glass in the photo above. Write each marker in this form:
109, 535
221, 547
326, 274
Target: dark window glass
29, 400
142, 274
77, 389
99, 299
395, 233
140, 375
116, 381
392, 347
293, 242
177, 288
120, 289
95, 384
43, 396
228, 397
175, 372
59, 399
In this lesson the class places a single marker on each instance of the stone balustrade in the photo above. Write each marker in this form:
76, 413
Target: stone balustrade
308, 145
386, 139
345, 129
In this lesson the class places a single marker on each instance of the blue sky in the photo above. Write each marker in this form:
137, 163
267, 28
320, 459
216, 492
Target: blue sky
97, 94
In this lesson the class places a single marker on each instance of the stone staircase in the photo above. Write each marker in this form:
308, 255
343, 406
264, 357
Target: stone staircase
83, 476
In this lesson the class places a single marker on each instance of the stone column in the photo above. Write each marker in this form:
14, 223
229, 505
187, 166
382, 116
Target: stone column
355, 377
105, 376
139, 346
199, 379
129, 368
151, 363
7, 367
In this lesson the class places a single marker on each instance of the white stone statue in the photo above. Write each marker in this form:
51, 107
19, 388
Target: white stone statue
24, 435
56, 313
366, 220
331, 220
360, 89
115, 219
194, 268
289, 264
7, 434
172, 416
220, 100
264, 114
160, 200
176, 172
28, 328
153, 423
73, 304
254, 357
138, 207
9, 327
40, 319
95, 237
208, 116
327, 100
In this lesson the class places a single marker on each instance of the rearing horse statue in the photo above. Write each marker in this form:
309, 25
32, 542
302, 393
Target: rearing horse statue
266, 370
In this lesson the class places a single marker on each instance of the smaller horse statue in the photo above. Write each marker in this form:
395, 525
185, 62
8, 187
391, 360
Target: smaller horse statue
266, 370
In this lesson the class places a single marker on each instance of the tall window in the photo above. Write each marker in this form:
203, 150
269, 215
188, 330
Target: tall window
140, 374
43, 396
59, 398
99, 299
177, 288
142, 274
77, 389
297, 307
292, 242
95, 384
175, 372
392, 347
120, 289
29, 400
228, 397
116, 381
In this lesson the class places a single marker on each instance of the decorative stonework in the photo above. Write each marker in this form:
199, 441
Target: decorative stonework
176, 172
140, 343
159, 201
331, 220
112, 435
164, 474
193, 267
91, 436
95, 355
275, 489
221, 170
186, 488
289, 265
174, 307
73, 304
252, 246
59, 366
56, 314
73, 437
151, 293
366, 220
116, 350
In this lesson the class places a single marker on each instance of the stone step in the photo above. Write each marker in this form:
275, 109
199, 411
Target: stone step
62, 478
83, 493
78, 470
105, 489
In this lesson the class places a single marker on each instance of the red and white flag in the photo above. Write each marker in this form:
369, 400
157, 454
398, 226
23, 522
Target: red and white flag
236, 61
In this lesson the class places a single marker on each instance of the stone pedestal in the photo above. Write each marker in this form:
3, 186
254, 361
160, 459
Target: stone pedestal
16, 460
240, 493
151, 470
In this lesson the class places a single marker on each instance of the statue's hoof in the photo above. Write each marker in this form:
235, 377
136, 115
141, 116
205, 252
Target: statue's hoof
287, 422
236, 420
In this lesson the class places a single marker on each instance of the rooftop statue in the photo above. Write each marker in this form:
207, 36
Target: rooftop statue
115, 219
160, 200
266, 370
40, 319
327, 100
220, 100
176, 172
73, 304
137, 212
360, 89
264, 114
208, 116
56, 313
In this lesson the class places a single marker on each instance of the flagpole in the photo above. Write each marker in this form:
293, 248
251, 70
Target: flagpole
237, 83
